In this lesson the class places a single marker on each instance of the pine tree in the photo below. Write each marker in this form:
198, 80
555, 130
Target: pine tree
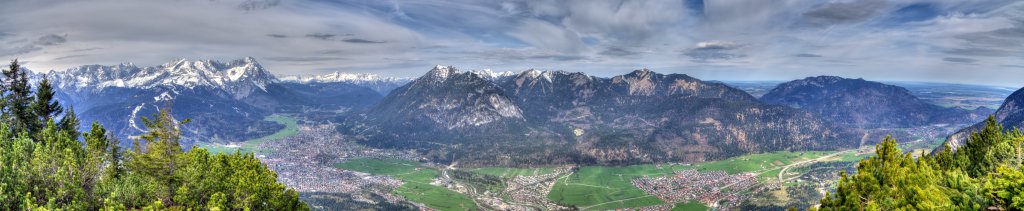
984, 173
18, 98
3, 93
158, 158
70, 120
48, 168
45, 107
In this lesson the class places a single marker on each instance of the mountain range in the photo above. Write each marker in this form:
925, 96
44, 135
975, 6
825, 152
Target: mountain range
552, 117
531, 117
227, 100
382, 85
1010, 115
866, 104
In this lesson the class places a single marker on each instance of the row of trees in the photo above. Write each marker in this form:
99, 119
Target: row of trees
49, 164
985, 173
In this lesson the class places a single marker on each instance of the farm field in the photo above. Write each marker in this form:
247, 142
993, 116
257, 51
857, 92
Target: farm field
758, 162
513, 172
587, 188
404, 170
291, 128
417, 180
435, 197
599, 187
690, 206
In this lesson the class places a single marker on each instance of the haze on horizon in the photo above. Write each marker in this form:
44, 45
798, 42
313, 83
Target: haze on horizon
967, 41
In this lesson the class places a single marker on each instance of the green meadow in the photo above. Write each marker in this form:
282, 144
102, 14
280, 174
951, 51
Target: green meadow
690, 206
291, 128
436, 197
589, 188
417, 180
513, 172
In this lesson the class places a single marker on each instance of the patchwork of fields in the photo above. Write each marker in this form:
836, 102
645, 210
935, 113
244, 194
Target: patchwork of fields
417, 180
588, 187
291, 128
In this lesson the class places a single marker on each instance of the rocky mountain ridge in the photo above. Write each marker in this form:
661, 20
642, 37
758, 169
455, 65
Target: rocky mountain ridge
1010, 115
552, 117
866, 104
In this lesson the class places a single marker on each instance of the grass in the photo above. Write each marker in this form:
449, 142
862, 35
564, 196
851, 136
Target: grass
601, 188
291, 128
607, 187
417, 180
404, 170
636, 202
769, 175
513, 172
757, 162
435, 197
851, 156
479, 181
589, 188
690, 206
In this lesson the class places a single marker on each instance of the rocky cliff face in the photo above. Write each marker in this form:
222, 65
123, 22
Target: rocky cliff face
226, 100
551, 117
451, 99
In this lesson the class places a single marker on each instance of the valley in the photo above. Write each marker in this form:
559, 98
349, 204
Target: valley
330, 170
512, 105
551, 140
291, 128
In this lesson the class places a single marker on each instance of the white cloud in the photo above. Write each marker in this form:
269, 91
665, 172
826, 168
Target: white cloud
153, 32
548, 36
769, 39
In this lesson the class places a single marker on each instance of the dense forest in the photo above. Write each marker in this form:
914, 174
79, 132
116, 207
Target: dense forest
46, 163
984, 174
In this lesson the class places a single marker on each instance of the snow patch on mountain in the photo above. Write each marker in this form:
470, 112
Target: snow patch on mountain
439, 73
534, 73
492, 75
239, 77
382, 85
339, 77
131, 119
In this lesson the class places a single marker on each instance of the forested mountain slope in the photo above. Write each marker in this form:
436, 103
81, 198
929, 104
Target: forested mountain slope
554, 117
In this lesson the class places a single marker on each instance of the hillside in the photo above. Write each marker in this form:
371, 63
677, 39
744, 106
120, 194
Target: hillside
1010, 115
865, 104
228, 100
553, 117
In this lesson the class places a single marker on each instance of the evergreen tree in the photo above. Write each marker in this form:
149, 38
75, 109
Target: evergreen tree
18, 97
187, 179
45, 107
70, 120
984, 173
158, 158
50, 169
57, 170
15, 168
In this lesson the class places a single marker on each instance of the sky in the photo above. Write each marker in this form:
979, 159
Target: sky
959, 41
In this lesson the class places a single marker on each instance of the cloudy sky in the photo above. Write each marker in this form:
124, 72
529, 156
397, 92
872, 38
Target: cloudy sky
964, 41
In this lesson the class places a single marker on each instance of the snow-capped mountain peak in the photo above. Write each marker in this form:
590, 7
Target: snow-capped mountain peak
490, 74
382, 85
534, 73
440, 73
338, 77
239, 77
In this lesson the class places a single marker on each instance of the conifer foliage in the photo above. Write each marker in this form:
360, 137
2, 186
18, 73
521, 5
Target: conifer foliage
47, 164
986, 173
